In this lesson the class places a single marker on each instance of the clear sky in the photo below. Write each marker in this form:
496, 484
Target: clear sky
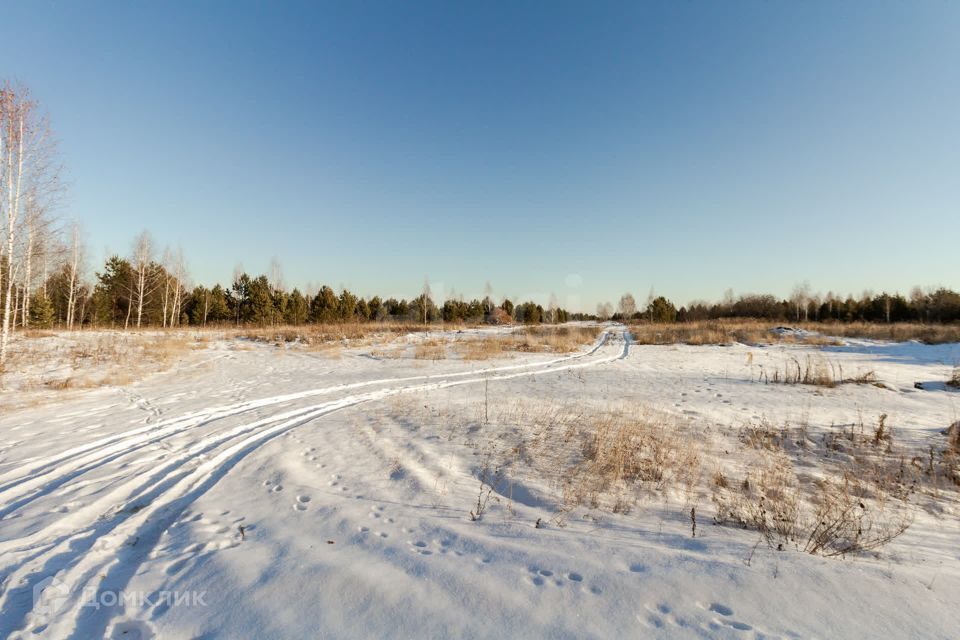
580, 148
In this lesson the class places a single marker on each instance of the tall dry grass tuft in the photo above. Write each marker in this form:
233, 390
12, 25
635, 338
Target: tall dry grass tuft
815, 371
623, 451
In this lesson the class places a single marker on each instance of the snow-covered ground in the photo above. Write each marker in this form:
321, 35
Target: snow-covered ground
261, 491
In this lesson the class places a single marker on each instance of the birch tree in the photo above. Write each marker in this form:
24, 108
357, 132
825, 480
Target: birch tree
74, 266
142, 257
28, 174
178, 276
40, 231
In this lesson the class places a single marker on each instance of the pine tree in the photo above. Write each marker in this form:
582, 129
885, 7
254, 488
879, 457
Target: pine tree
324, 306
297, 309
41, 311
261, 303
112, 295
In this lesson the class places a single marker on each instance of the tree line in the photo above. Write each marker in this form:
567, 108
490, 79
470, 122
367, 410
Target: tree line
940, 305
140, 291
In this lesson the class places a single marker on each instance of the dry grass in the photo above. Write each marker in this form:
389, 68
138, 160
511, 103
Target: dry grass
726, 332
430, 350
845, 490
624, 451
84, 360
954, 380
598, 457
538, 339
815, 371
708, 332
356, 333
862, 493
558, 339
894, 332
484, 348
561, 339
830, 516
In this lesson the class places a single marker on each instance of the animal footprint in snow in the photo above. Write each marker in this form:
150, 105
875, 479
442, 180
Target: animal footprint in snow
540, 576
300, 504
421, 547
726, 612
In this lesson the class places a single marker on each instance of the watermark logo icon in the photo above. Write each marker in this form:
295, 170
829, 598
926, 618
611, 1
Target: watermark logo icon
49, 595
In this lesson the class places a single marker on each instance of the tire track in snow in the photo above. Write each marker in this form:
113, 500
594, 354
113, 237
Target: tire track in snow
107, 553
18, 489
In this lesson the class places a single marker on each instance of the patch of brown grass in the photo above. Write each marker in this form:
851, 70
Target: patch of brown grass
84, 360
623, 450
894, 332
746, 331
430, 350
313, 334
556, 339
537, 339
485, 348
816, 371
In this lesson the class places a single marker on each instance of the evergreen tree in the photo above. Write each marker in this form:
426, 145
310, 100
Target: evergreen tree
324, 306
377, 309
238, 298
260, 300
346, 306
297, 309
661, 310
362, 310
41, 311
112, 294
219, 308
280, 300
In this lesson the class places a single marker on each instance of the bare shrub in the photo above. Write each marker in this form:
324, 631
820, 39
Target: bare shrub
954, 380
861, 497
844, 521
490, 478
767, 500
831, 518
763, 436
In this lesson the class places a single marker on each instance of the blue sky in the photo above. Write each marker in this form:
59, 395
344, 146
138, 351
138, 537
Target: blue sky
584, 149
